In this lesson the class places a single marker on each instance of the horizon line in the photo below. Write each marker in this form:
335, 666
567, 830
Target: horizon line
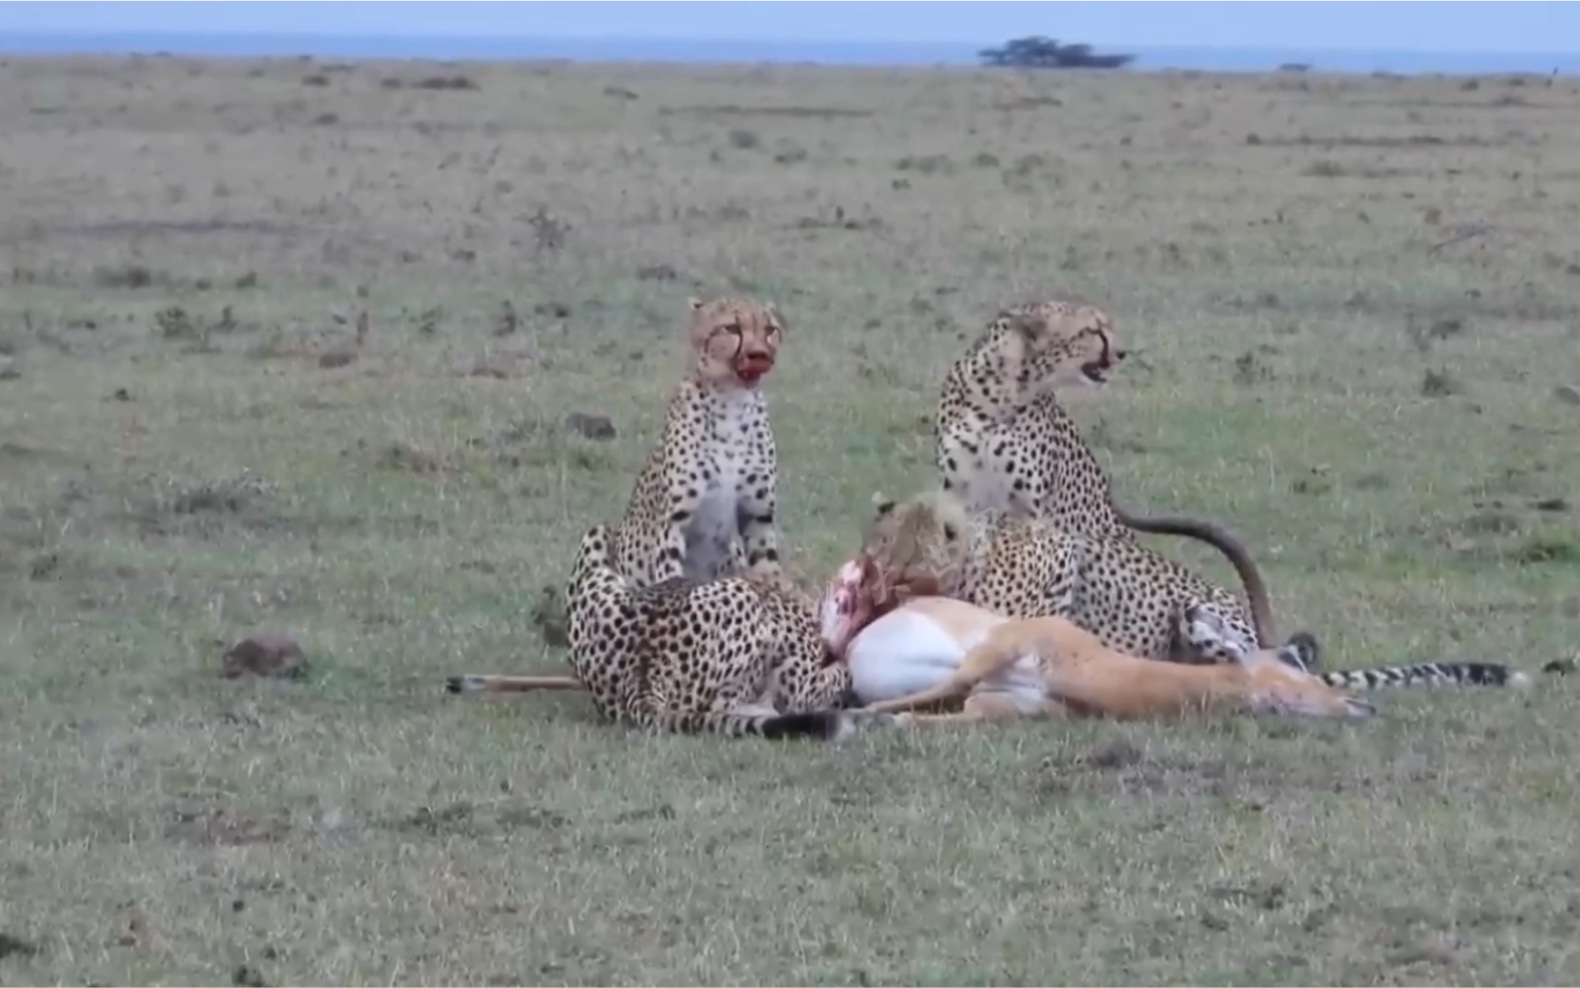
495, 38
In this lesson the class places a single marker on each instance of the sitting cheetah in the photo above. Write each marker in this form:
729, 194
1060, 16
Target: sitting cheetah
1004, 442
723, 656
1124, 593
703, 506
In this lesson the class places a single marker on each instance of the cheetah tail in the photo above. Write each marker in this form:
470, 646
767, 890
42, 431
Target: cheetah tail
822, 725
1428, 674
1233, 549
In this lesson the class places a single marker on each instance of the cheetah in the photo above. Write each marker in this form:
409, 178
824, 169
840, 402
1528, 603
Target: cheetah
734, 656
703, 505
1133, 599
1003, 441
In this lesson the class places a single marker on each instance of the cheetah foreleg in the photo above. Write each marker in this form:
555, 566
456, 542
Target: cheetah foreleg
755, 521
669, 556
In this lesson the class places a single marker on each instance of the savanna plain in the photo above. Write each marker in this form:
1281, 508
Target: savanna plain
354, 352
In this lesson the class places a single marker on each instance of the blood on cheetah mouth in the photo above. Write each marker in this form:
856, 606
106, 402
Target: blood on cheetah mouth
751, 369
1095, 372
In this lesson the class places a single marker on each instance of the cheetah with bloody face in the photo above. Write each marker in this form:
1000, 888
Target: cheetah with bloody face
703, 506
1004, 442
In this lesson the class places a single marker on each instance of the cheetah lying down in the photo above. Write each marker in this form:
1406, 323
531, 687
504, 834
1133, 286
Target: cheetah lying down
734, 656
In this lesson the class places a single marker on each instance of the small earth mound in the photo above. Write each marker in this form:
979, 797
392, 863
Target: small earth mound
265, 654
598, 428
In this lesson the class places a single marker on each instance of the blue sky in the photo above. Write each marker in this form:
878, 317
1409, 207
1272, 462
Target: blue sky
1420, 26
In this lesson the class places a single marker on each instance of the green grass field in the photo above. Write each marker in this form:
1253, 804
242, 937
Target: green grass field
1354, 305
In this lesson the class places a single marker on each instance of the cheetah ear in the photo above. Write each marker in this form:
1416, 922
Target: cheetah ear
883, 504
694, 302
950, 532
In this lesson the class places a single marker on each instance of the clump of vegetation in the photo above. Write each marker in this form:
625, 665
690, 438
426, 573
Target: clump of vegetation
1038, 52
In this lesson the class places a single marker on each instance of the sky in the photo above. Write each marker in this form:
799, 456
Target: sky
1400, 26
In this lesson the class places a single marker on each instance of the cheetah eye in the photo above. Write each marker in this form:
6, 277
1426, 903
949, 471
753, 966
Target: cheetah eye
733, 328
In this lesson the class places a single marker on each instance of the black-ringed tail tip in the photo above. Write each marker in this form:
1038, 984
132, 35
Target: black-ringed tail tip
1428, 674
464, 684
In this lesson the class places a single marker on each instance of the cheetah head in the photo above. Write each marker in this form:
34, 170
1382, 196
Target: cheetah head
1066, 340
736, 341
909, 549
913, 547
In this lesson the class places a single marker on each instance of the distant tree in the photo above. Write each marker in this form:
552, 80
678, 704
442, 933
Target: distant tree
1038, 52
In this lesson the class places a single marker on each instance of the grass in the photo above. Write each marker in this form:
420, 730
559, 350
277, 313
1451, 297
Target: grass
259, 374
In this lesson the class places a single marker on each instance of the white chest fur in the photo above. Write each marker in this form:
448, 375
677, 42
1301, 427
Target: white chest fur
976, 479
734, 420
906, 652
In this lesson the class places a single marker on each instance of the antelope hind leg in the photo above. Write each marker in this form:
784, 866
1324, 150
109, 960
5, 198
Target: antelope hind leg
988, 706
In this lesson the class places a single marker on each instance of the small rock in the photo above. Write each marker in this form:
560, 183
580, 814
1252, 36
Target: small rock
1551, 504
1566, 393
265, 654
1438, 384
9, 371
599, 428
247, 977
337, 358
1562, 667
15, 945
121, 394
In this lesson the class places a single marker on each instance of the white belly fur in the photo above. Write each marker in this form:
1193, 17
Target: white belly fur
714, 527
905, 652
